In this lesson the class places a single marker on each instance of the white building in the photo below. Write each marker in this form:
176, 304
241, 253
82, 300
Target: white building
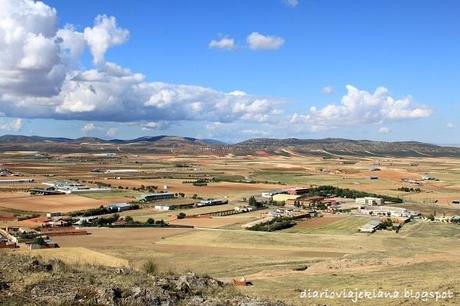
370, 227
369, 201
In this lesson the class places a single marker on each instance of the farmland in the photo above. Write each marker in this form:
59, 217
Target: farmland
322, 252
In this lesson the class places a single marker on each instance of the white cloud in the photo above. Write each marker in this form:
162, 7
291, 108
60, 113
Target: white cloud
111, 132
291, 3
327, 90
103, 35
450, 125
384, 130
258, 41
158, 125
11, 126
88, 128
226, 43
361, 107
40, 78
91, 129
213, 126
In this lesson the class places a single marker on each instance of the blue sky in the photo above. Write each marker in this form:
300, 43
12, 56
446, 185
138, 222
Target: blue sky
408, 47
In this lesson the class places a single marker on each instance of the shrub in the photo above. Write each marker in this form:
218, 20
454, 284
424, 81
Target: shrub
181, 215
149, 266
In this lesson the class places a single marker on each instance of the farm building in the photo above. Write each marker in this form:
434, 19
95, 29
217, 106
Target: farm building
305, 201
282, 198
172, 206
270, 194
5, 172
53, 214
297, 190
16, 181
370, 227
369, 201
45, 191
211, 202
119, 207
74, 187
155, 196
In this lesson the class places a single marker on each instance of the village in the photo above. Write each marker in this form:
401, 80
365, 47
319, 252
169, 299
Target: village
279, 209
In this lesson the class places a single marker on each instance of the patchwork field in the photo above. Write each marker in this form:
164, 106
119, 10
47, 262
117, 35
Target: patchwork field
271, 260
319, 253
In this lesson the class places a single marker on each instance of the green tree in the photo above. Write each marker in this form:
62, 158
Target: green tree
129, 219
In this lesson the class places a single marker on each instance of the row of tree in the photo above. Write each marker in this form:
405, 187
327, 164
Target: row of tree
328, 190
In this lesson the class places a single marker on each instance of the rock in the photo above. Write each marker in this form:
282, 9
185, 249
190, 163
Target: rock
4, 285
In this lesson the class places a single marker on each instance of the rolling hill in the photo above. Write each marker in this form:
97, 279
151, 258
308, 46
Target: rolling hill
268, 146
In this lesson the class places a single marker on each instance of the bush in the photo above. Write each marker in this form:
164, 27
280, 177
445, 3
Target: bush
181, 215
150, 221
149, 266
275, 224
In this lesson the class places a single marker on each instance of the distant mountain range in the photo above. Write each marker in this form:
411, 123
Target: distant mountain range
258, 146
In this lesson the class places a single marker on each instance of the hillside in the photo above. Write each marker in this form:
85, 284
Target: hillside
268, 146
28, 281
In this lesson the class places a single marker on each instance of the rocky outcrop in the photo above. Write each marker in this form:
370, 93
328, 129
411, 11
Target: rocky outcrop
28, 281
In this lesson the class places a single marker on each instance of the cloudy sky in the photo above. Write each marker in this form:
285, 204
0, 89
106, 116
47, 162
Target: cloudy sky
231, 70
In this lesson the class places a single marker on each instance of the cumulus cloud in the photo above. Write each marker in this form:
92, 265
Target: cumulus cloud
11, 126
291, 3
361, 107
104, 34
450, 125
226, 43
327, 90
257, 41
384, 130
40, 78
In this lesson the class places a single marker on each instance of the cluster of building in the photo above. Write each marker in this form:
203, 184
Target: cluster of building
5, 172
292, 212
19, 237
66, 187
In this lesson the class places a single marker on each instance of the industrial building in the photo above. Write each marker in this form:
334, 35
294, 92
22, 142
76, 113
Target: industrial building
173, 206
155, 196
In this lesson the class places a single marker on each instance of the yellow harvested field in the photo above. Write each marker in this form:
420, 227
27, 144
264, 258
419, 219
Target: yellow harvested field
80, 256
52, 203
212, 222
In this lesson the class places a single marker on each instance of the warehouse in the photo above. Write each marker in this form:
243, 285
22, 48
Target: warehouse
155, 196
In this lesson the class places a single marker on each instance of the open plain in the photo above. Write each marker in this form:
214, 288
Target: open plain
324, 252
